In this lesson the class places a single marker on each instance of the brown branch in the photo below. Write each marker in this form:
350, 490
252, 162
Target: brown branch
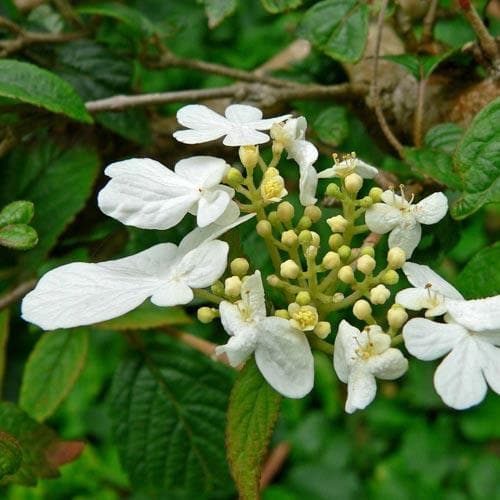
17, 293
428, 22
274, 463
375, 88
419, 110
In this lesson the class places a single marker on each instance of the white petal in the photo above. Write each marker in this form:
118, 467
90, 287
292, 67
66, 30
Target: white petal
428, 340
423, 276
406, 237
345, 349
476, 315
239, 347
307, 185
81, 294
416, 299
145, 194
389, 365
458, 379
269, 122
491, 364
393, 199
199, 136
172, 293
202, 171
381, 218
303, 152
211, 206
202, 266
364, 170
241, 135
431, 209
284, 358
242, 113
231, 318
328, 172
252, 296
361, 389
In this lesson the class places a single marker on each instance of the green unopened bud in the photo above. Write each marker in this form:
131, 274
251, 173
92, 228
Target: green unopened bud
322, 329
289, 238
285, 211
249, 156
239, 266
346, 275
338, 224
289, 269
366, 264
234, 177
303, 298
362, 310
305, 237
273, 280
331, 260
353, 183
396, 257
304, 223
368, 251
264, 228
390, 277
272, 217
344, 252
366, 202
333, 190
335, 241
375, 194
206, 314
397, 316
282, 313
313, 212
217, 288
379, 294
232, 286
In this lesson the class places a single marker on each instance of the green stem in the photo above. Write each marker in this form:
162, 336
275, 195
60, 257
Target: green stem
348, 301
206, 295
319, 344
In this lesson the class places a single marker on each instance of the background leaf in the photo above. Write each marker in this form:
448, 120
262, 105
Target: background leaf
52, 370
26, 82
18, 236
444, 137
253, 410
11, 455
17, 212
332, 126
218, 10
277, 6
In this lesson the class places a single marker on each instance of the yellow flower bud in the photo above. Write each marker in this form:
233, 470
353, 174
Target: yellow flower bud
335, 241
322, 329
217, 288
305, 237
239, 266
285, 211
249, 156
333, 190
233, 177
303, 318
304, 223
277, 148
303, 298
313, 212
282, 313
206, 314
232, 286
273, 280
379, 294
289, 269
353, 183
331, 260
338, 297
315, 239
344, 251
264, 228
272, 217
366, 202
338, 224
368, 251
390, 277
396, 316
396, 257
289, 238
375, 194
272, 187
362, 309
311, 252
346, 274
366, 264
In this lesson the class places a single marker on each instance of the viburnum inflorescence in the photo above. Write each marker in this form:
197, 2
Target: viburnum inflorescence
325, 270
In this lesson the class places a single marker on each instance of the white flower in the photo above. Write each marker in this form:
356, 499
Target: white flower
282, 353
359, 357
349, 165
403, 219
240, 126
144, 193
292, 136
82, 293
431, 291
470, 340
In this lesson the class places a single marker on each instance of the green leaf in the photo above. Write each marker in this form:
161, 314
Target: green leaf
277, 6
477, 161
410, 62
332, 126
421, 67
338, 28
26, 82
123, 13
11, 455
17, 212
253, 410
43, 452
147, 316
444, 137
4, 337
18, 236
478, 278
168, 405
218, 10
52, 370
430, 63
58, 181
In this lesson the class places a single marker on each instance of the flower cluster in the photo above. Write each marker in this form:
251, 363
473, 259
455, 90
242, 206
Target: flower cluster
323, 264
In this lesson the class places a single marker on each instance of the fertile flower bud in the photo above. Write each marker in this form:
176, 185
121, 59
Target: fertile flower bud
375, 194
311, 252
289, 269
239, 266
313, 212
206, 314
333, 190
368, 251
344, 252
331, 260
366, 202
366, 264
322, 329
335, 241
234, 177
272, 187
273, 280
264, 228
304, 223
289, 238
303, 298
390, 277
379, 294
249, 156
338, 224
346, 274
362, 310
285, 211
305, 237
272, 217
282, 313
232, 286
396, 257
396, 316
315, 239
338, 297
353, 183
217, 288
303, 318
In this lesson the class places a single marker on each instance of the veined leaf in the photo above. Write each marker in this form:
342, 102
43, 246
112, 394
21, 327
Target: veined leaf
17, 212
277, 6
253, 410
26, 82
18, 236
444, 137
218, 10
11, 455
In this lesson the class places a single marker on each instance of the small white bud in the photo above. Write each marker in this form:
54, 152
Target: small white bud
397, 316
353, 183
346, 274
249, 156
289, 269
285, 211
315, 239
206, 314
396, 257
323, 329
313, 212
362, 309
264, 228
331, 260
232, 286
303, 298
338, 297
239, 266
379, 294
289, 238
311, 252
338, 224
366, 264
